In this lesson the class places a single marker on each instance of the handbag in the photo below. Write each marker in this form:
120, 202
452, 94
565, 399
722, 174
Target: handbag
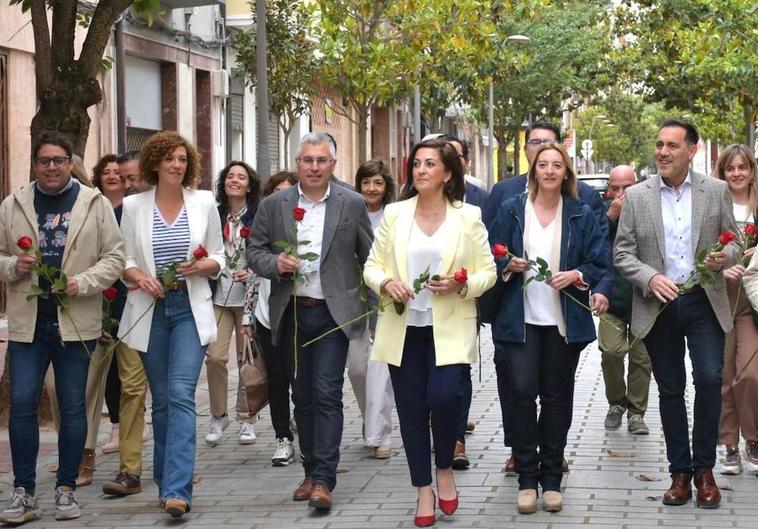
252, 376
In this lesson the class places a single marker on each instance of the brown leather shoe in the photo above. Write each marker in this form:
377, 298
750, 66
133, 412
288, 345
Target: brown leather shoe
510, 466
176, 507
708, 493
304, 490
680, 491
123, 485
86, 468
460, 459
321, 498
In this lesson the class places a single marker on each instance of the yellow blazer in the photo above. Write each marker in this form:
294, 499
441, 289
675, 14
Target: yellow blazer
454, 317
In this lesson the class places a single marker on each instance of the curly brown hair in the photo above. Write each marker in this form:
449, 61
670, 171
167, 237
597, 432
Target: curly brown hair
97, 171
160, 146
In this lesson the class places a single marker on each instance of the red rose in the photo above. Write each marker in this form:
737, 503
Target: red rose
727, 237
200, 252
461, 276
110, 294
750, 230
244, 232
298, 213
25, 242
499, 250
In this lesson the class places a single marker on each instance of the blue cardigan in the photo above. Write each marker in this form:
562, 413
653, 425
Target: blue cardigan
582, 248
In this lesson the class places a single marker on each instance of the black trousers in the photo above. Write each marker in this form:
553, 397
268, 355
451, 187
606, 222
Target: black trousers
278, 384
541, 367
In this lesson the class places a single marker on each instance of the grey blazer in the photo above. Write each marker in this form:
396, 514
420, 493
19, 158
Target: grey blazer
345, 246
640, 243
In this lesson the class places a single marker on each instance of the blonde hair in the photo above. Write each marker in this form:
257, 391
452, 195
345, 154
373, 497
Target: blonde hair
569, 184
726, 156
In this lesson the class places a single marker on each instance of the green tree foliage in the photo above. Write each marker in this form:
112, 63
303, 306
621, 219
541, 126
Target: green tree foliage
564, 58
374, 51
698, 55
292, 63
67, 85
627, 132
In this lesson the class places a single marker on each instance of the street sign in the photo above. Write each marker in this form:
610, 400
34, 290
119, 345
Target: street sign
587, 149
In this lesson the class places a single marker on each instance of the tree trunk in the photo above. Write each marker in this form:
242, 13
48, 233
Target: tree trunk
362, 134
516, 153
502, 156
747, 111
63, 107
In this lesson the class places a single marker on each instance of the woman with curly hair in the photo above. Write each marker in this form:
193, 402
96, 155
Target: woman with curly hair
238, 194
171, 225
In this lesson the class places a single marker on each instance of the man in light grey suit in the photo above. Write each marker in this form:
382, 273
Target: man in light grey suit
666, 221
325, 294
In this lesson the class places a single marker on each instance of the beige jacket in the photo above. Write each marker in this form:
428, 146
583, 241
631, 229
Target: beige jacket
93, 256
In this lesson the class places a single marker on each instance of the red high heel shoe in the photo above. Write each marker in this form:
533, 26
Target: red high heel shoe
424, 521
449, 506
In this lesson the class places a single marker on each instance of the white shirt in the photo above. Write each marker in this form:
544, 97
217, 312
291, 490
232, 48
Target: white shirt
676, 213
539, 297
423, 252
742, 214
261, 307
311, 229
375, 217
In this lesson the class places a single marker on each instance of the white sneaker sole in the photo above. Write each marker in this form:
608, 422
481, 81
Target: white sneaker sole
731, 471
247, 441
282, 462
210, 442
60, 515
26, 517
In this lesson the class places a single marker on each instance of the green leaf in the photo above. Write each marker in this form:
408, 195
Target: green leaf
283, 245
417, 285
548, 275
60, 284
528, 281
308, 256
542, 264
539, 277
303, 242
399, 307
436, 277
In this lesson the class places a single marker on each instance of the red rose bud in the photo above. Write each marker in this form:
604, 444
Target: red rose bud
200, 252
727, 237
25, 243
110, 294
499, 250
461, 276
298, 213
244, 232
750, 230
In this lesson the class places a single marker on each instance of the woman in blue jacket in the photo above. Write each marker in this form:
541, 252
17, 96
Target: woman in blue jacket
539, 328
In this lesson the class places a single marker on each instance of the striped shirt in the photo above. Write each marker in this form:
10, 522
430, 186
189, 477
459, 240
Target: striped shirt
170, 242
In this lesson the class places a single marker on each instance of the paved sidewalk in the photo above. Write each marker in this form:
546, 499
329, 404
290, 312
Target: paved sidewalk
607, 487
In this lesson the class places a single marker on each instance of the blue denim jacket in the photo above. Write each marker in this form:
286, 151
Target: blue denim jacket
582, 248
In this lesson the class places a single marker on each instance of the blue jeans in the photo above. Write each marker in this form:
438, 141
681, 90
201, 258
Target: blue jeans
317, 389
425, 391
28, 364
689, 317
172, 363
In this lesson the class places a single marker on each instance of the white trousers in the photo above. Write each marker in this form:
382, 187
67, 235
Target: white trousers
372, 386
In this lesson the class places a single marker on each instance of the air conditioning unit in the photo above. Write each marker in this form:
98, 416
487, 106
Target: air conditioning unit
220, 83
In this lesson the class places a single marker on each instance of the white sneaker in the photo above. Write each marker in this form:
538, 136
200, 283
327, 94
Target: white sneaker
66, 506
285, 453
246, 433
216, 429
21, 508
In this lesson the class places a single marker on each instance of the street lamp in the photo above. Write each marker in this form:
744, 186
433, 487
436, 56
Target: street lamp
516, 39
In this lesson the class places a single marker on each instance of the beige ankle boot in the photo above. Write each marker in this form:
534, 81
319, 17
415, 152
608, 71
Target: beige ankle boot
527, 501
86, 468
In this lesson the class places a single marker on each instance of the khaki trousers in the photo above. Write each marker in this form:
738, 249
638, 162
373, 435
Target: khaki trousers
739, 388
132, 405
217, 360
614, 344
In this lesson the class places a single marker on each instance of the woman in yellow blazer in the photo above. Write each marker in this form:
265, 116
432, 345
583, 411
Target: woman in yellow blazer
428, 344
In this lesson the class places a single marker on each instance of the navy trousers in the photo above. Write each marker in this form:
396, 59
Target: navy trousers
423, 391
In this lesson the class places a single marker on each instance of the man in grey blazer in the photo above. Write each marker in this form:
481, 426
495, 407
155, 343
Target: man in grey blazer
665, 222
326, 293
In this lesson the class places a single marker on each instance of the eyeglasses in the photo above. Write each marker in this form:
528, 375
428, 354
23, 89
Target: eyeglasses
537, 142
58, 161
308, 160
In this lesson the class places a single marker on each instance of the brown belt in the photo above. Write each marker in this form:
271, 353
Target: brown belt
302, 301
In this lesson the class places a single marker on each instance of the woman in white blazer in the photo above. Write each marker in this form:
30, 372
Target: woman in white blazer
171, 326
429, 345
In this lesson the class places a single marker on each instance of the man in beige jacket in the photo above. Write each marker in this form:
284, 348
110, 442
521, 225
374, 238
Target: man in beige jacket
53, 222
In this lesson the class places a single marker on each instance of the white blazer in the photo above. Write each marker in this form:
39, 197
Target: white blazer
137, 228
